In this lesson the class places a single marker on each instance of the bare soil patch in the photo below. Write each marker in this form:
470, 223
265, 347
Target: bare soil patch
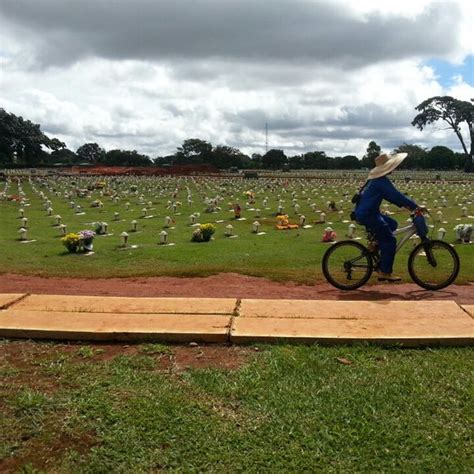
202, 357
224, 285
24, 364
27, 356
44, 455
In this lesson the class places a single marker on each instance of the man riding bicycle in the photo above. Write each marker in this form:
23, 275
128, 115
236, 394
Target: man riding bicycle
367, 212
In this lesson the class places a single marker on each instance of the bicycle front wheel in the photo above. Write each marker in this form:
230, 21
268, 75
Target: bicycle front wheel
433, 264
347, 265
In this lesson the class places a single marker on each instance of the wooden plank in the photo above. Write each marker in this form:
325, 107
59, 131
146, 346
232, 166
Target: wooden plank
108, 326
6, 299
358, 310
469, 308
117, 305
386, 330
387, 322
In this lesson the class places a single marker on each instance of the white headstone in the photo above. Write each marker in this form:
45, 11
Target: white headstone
124, 237
163, 237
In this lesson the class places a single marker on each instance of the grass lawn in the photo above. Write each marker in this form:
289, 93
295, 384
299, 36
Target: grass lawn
280, 255
152, 407
144, 408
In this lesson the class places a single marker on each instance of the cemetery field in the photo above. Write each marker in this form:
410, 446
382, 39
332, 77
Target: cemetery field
153, 407
145, 207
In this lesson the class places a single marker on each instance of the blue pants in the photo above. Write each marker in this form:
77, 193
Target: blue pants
383, 227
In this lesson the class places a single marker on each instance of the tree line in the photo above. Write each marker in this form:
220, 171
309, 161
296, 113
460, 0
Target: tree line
23, 144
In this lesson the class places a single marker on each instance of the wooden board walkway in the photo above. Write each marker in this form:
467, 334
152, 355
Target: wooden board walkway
411, 323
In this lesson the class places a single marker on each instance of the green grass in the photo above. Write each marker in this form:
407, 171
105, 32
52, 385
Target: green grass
280, 255
288, 408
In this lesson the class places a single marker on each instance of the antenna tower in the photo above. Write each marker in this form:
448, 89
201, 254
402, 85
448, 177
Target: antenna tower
266, 137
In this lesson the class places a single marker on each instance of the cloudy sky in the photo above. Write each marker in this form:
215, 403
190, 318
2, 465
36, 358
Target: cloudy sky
147, 74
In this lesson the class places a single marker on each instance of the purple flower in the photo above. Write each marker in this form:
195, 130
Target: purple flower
86, 234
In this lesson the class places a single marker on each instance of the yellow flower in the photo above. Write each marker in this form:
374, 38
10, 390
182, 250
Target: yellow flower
71, 239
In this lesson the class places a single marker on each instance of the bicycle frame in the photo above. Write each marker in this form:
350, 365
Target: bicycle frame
409, 230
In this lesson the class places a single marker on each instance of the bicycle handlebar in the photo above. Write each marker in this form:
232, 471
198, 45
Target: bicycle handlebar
420, 211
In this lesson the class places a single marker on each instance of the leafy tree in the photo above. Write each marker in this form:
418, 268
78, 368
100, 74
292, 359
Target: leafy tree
416, 156
163, 160
440, 158
315, 160
274, 159
459, 160
226, 157
62, 156
256, 161
21, 141
125, 158
296, 162
349, 162
55, 144
373, 150
455, 113
90, 152
193, 151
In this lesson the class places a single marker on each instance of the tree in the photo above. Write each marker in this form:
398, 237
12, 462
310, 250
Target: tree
416, 156
459, 160
90, 152
256, 160
440, 158
125, 158
193, 151
296, 162
315, 160
373, 150
226, 157
349, 162
21, 141
163, 160
62, 156
274, 159
452, 111
55, 144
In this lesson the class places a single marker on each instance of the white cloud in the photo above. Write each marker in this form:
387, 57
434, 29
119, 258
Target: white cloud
350, 88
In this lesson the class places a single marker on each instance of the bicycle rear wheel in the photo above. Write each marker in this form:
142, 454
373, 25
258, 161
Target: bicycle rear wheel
433, 264
347, 265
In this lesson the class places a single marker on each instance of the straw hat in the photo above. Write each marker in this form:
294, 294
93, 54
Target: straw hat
328, 229
384, 164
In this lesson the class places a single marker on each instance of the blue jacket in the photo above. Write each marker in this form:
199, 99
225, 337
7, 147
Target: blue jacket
374, 192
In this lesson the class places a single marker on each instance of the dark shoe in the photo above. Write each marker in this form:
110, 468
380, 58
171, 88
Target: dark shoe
389, 278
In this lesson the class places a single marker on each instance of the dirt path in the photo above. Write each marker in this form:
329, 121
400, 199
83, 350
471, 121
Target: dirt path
224, 285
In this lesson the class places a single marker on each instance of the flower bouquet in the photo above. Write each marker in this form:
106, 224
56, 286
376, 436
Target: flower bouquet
71, 241
100, 228
463, 232
82, 240
203, 233
87, 237
284, 224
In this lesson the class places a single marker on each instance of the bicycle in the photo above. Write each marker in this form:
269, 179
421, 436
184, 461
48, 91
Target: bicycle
432, 264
